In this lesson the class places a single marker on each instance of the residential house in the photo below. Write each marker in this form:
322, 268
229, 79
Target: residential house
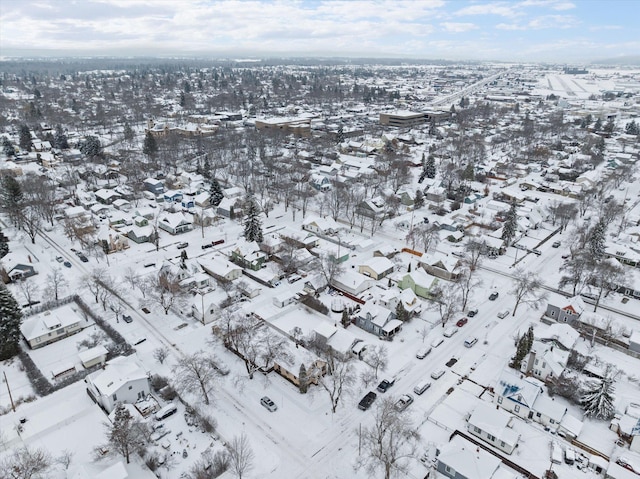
172, 196
325, 226
107, 197
461, 459
204, 307
220, 268
290, 370
517, 394
550, 352
123, 380
341, 341
320, 182
154, 186
377, 267
21, 271
51, 326
93, 356
175, 223
352, 282
570, 313
228, 208
493, 426
141, 234
441, 265
373, 208
418, 281
378, 320
299, 239
548, 412
248, 255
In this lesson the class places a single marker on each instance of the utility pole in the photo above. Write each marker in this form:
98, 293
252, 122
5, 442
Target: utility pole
13, 406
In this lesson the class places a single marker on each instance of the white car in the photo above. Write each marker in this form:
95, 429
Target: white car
423, 352
268, 403
437, 374
503, 314
403, 402
437, 342
450, 332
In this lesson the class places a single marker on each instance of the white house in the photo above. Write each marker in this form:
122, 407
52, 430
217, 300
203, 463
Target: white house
123, 380
50, 326
461, 459
493, 426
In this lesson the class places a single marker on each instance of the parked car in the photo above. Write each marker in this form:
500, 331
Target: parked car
366, 402
82, 257
437, 374
268, 403
385, 384
127, 319
437, 342
423, 352
503, 314
403, 402
462, 321
67, 264
182, 245
451, 362
294, 278
536, 251
421, 387
556, 244
493, 296
450, 332
59, 259
472, 312
207, 246
470, 341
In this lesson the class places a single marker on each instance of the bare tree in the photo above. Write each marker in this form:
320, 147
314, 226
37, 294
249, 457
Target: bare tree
424, 234
56, 283
160, 354
330, 266
93, 282
526, 290
25, 463
576, 273
31, 222
241, 456
388, 443
466, 282
605, 276
446, 301
377, 357
65, 458
166, 291
339, 377
126, 434
473, 251
28, 289
196, 373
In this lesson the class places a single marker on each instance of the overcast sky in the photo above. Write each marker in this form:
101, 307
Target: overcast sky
528, 30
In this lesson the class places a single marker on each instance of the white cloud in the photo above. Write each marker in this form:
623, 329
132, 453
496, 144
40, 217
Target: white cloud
498, 8
454, 27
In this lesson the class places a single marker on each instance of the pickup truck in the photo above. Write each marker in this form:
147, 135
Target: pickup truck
403, 402
366, 402
385, 384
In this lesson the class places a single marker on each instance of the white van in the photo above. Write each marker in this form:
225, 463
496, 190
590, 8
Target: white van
421, 387
166, 411
470, 342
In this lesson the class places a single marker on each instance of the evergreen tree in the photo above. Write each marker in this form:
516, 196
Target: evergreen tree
60, 139
25, 138
340, 135
597, 400
216, 193
510, 225
418, 202
401, 313
610, 126
7, 147
597, 240
10, 320
206, 169
632, 128
597, 125
4, 244
303, 379
11, 198
150, 146
128, 133
126, 434
345, 318
430, 167
252, 223
525, 342
91, 146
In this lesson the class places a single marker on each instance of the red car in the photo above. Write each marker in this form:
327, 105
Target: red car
461, 322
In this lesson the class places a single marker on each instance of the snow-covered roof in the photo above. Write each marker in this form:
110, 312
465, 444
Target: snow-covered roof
468, 460
495, 422
47, 322
117, 373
